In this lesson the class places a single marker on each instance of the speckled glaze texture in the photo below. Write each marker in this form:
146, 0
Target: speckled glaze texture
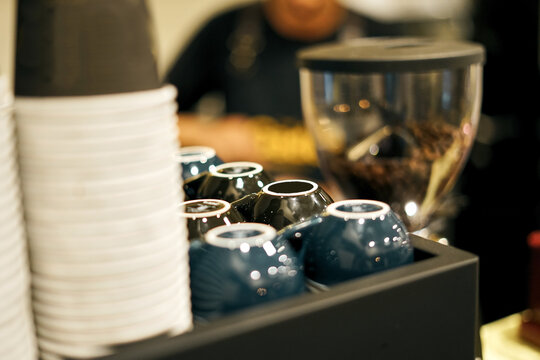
229, 181
195, 160
241, 266
204, 214
352, 238
285, 202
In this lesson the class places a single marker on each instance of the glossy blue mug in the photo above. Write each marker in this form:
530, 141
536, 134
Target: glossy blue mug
229, 181
240, 266
350, 239
202, 215
285, 202
195, 160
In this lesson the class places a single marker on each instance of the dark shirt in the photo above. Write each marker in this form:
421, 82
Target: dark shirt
214, 61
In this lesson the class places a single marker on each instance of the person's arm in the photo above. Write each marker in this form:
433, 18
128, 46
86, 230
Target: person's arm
230, 136
240, 138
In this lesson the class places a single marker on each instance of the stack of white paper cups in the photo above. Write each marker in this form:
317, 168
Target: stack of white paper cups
17, 335
108, 252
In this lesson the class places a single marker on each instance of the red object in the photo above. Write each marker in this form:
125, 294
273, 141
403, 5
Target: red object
530, 327
533, 240
530, 319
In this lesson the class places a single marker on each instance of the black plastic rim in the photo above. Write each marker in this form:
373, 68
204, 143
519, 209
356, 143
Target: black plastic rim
391, 54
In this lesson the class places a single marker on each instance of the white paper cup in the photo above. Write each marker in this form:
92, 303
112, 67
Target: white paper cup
57, 350
82, 146
15, 309
91, 214
105, 296
14, 257
14, 290
103, 202
88, 132
105, 323
95, 104
12, 234
9, 172
10, 209
84, 271
43, 284
90, 188
74, 308
44, 174
76, 162
159, 325
123, 117
109, 234
14, 332
68, 252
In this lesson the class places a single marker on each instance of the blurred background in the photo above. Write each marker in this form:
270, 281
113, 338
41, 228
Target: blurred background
175, 21
499, 201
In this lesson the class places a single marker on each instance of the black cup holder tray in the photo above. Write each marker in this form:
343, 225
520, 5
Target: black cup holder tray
424, 310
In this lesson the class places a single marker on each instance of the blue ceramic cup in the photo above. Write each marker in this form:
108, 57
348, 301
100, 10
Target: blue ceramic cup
350, 239
240, 266
204, 214
195, 160
229, 181
285, 202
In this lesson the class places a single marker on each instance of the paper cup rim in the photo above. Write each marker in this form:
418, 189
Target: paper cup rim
95, 104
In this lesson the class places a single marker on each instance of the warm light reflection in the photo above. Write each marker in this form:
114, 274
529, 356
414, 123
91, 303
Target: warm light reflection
244, 247
262, 291
269, 248
467, 129
364, 104
411, 208
292, 273
374, 149
342, 108
443, 241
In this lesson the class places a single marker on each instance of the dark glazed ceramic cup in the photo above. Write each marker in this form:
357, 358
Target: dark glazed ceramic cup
204, 214
229, 181
350, 239
84, 47
240, 266
195, 160
285, 202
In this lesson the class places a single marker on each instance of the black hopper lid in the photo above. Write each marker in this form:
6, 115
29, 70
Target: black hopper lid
390, 54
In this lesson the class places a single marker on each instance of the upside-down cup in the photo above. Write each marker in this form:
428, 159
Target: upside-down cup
229, 181
195, 160
202, 215
350, 239
241, 266
285, 202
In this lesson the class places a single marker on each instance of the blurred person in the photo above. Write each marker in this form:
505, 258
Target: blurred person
238, 84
